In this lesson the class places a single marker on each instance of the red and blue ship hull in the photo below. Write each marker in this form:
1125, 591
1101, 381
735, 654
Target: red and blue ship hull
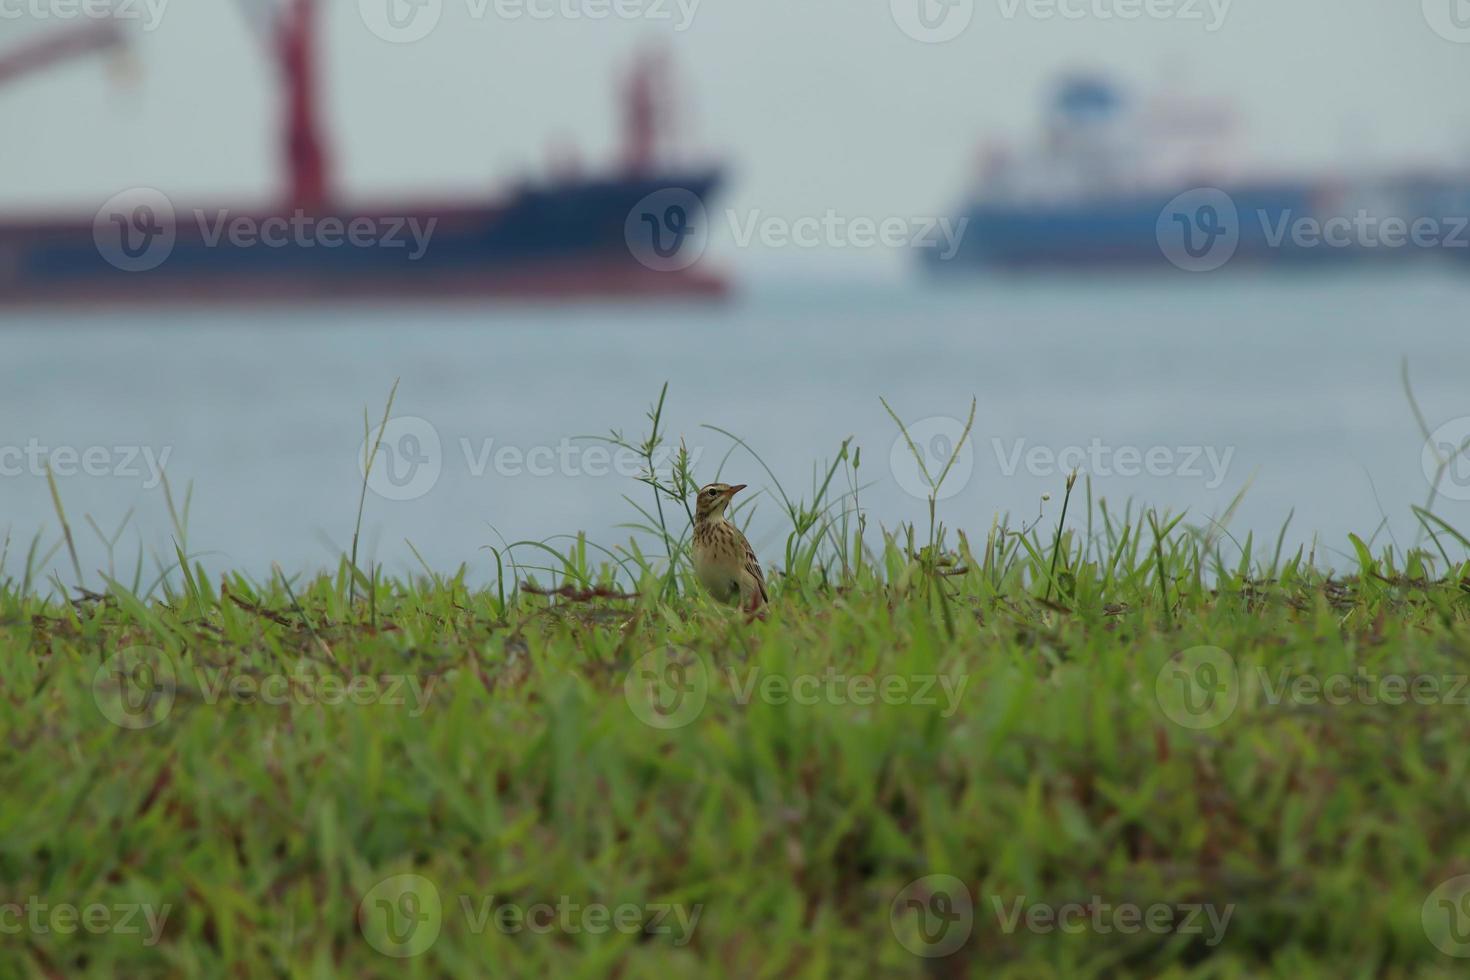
561, 240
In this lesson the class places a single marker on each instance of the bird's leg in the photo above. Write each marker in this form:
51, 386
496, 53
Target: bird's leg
755, 611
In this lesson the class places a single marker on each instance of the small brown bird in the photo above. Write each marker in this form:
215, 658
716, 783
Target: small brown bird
723, 560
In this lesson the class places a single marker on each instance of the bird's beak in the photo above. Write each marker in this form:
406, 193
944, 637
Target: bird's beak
735, 489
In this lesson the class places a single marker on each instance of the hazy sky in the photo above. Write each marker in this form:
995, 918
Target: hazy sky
815, 104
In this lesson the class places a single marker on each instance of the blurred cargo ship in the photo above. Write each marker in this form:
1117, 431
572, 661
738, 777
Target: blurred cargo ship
1110, 185
566, 236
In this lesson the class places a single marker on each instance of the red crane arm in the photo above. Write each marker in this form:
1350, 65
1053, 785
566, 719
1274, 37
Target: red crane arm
59, 46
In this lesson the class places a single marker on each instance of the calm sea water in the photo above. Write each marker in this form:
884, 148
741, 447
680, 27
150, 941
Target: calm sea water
1174, 392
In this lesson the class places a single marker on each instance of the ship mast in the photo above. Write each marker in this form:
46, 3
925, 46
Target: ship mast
305, 159
646, 113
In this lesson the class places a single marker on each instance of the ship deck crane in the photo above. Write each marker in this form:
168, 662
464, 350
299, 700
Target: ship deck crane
60, 46
288, 31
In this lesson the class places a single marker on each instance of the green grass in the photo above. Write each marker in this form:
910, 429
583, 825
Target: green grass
1051, 737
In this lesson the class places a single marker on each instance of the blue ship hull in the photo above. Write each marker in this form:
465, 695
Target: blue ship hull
1166, 231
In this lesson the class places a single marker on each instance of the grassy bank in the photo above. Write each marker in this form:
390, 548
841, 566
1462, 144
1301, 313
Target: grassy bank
1109, 745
